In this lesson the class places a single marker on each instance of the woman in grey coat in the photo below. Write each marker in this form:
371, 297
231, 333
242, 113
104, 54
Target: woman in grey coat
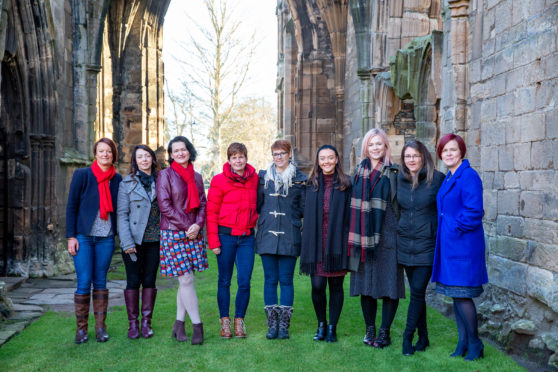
280, 205
138, 228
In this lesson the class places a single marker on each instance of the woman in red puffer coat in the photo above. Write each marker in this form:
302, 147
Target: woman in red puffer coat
231, 217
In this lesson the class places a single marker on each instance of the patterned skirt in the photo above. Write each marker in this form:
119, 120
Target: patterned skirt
180, 255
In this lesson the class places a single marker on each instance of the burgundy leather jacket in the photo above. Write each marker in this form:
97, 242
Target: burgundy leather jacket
172, 194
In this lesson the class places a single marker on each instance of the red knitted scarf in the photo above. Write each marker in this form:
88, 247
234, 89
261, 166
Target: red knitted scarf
103, 179
187, 174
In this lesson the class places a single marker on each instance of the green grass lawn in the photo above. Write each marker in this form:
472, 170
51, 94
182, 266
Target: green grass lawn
48, 344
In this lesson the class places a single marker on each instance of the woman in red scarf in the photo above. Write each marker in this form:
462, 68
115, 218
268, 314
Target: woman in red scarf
90, 230
182, 202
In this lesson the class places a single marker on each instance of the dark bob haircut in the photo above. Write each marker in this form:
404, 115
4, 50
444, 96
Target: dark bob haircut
450, 137
189, 147
111, 144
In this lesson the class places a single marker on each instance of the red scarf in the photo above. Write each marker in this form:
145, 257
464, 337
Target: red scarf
103, 178
187, 174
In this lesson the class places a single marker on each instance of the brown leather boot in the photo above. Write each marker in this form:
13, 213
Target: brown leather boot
179, 332
100, 305
82, 304
147, 304
225, 327
131, 297
239, 328
197, 337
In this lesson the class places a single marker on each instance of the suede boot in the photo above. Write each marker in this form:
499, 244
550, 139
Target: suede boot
178, 331
197, 336
285, 314
81, 304
148, 296
131, 297
272, 314
100, 306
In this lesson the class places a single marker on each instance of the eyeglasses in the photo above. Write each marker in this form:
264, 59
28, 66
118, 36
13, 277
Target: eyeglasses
412, 157
279, 154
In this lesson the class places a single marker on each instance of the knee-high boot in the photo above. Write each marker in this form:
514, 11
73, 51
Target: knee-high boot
100, 306
148, 296
131, 297
82, 304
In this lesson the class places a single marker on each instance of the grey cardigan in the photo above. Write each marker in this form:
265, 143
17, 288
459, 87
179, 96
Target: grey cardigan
133, 210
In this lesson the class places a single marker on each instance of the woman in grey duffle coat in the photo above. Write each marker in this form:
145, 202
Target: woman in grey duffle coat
280, 205
138, 229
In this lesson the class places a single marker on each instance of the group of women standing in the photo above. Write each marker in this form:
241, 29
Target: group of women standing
380, 223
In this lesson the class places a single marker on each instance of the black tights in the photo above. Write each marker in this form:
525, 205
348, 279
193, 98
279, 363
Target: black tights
466, 319
418, 277
370, 305
336, 297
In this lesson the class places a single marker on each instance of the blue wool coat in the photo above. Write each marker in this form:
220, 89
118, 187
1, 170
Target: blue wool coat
459, 259
83, 202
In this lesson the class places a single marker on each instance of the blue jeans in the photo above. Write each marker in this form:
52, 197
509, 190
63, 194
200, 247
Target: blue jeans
92, 262
237, 250
278, 269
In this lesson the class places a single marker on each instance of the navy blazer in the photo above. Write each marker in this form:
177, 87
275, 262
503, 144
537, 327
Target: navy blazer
83, 202
459, 259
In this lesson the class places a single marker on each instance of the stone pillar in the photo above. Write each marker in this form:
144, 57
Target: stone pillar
458, 56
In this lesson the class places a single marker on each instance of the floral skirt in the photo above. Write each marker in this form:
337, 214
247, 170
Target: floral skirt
180, 255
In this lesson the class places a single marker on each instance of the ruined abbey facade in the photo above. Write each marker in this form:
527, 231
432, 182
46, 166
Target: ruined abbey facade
75, 70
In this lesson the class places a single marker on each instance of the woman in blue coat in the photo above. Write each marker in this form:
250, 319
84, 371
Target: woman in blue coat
459, 261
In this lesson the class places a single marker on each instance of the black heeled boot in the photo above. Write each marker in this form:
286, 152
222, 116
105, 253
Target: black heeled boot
370, 335
383, 339
331, 333
320, 332
408, 348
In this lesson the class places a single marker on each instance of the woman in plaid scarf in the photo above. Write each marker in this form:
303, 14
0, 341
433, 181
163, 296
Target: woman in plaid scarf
372, 237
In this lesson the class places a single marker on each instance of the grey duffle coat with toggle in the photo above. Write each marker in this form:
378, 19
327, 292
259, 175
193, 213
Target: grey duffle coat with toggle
280, 217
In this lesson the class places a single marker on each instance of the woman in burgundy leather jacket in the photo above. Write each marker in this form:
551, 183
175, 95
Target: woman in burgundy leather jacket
182, 203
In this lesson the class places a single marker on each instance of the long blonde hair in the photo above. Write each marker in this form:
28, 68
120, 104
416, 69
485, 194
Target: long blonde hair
372, 133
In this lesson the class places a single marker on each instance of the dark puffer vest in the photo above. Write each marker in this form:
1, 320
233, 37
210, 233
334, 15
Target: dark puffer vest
416, 230
279, 222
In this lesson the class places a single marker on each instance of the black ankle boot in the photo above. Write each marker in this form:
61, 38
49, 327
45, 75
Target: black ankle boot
383, 339
408, 348
370, 335
321, 332
331, 333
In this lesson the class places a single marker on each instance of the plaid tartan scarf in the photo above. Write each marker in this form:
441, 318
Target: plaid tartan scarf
368, 206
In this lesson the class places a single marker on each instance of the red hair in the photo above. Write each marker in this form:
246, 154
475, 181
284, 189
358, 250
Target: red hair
450, 137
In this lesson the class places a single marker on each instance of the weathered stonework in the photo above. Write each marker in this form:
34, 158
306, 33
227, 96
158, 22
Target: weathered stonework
487, 70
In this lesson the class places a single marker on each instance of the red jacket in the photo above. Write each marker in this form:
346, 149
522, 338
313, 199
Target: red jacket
231, 203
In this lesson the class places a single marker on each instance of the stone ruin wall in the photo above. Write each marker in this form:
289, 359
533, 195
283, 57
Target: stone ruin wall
487, 70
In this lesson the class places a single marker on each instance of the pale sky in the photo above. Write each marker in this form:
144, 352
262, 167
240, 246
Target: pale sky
258, 15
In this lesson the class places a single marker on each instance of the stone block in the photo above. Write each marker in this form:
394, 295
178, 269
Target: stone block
507, 247
511, 179
531, 204
507, 274
541, 285
541, 155
475, 71
503, 13
506, 103
508, 202
525, 52
490, 201
487, 68
533, 127
551, 341
544, 256
551, 120
522, 156
550, 65
550, 207
510, 226
540, 231
544, 180
546, 94
492, 130
524, 100
514, 80
488, 26
505, 155
513, 131
487, 180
